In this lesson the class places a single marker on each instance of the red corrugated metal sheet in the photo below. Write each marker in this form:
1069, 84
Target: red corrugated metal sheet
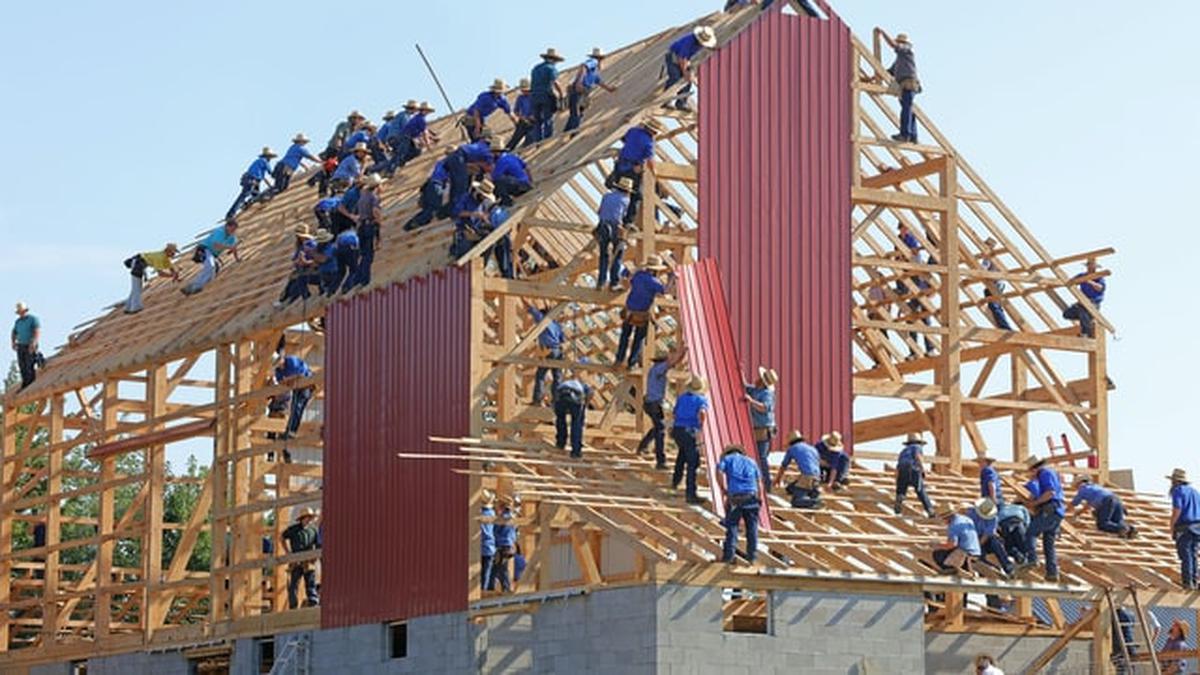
397, 371
713, 354
775, 158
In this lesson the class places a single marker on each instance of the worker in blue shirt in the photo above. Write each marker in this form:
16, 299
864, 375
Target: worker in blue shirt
323, 211
392, 136
502, 248
805, 490
910, 473
487, 538
637, 152
586, 79
644, 287
1093, 288
1106, 506
913, 287
961, 545
652, 402
835, 463
381, 134
485, 104
506, 545
345, 253
468, 162
510, 175
327, 264
989, 481
472, 213
258, 172
522, 111
433, 196
550, 346
350, 168
209, 252
760, 397
291, 161
610, 233
546, 93
983, 515
679, 59
1185, 526
739, 479
290, 371
1013, 524
364, 134
414, 135
570, 409
26, 331
304, 270
345, 214
691, 408
987, 262
1046, 510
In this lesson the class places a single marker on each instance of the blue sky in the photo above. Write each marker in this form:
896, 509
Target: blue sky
130, 122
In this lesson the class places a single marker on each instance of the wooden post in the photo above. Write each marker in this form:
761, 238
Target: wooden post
104, 552
1098, 375
649, 231
479, 371
8, 444
154, 611
53, 523
218, 597
949, 361
1102, 638
1020, 419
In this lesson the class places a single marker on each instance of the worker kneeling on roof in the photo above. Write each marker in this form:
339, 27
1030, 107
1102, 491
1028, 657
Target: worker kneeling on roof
961, 545
805, 490
1106, 506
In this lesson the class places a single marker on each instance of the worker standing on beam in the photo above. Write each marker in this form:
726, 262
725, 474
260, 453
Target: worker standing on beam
299, 537
586, 79
291, 161
550, 346
760, 396
739, 479
1093, 289
369, 221
910, 473
1047, 510
610, 233
208, 254
523, 113
293, 371
547, 94
506, 545
258, 171
1185, 526
487, 538
805, 490
652, 405
644, 287
637, 153
983, 516
472, 215
989, 480
1106, 506
904, 70
160, 261
475, 118
679, 62
570, 410
835, 463
433, 196
961, 545
691, 408
25, 333
988, 263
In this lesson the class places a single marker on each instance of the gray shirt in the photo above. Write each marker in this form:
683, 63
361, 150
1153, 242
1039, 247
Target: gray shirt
367, 203
905, 65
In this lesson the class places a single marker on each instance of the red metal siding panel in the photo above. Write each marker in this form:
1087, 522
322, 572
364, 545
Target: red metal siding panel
397, 372
774, 172
713, 354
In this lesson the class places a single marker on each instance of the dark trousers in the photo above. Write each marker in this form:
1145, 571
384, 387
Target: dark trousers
347, 271
687, 460
1013, 531
565, 408
25, 360
297, 287
763, 447
675, 74
623, 170
742, 508
283, 177
539, 377
544, 107
908, 121
834, 465
485, 571
502, 249
997, 312
1186, 539
1044, 524
639, 337
1087, 324
499, 573
805, 497
404, 150
248, 193
577, 102
911, 476
321, 180
300, 399
368, 238
941, 554
612, 251
432, 203
656, 433
992, 545
509, 188
323, 219
340, 221
460, 179
521, 132
916, 307
309, 575
1110, 516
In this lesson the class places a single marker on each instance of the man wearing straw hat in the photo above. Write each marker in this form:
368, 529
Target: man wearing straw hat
760, 396
1047, 509
644, 287
805, 490
299, 537
341, 132
910, 473
904, 70
414, 135
291, 161
637, 152
679, 61
740, 482
983, 516
506, 544
586, 79
485, 104
610, 233
961, 545
304, 269
1185, 525
258, 171
652, 403
523, 113
988, 263
160, 261
571, 398
487, 537
835, 463
370, 216
546, 93
350, 168
472, 214
691, 408
25, 333
208, 254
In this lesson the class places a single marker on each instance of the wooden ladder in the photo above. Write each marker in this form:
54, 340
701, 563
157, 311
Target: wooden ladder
1122, 656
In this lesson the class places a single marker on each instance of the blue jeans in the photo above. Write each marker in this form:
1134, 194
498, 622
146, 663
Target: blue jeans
612, 251
499, 573
1186, 539
997, 311
1110, 516
432, 202
1045, 524
911, 476
688, 458
306, 572
368, 234
834, 465
675, 74
539, 378
908, 121
575, 101
1087, 324
657, 431
249, 191
460, 180
208, 271
523, 131
764, 448
485, 571
747, 512
639, 337
564, 408
993, 545
300, 399
1013, 531
544, 107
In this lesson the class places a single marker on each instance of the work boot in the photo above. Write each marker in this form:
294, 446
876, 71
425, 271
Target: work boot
660, 465
1052, 578
696, 499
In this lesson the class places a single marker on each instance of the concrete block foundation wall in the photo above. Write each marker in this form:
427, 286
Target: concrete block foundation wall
956, 652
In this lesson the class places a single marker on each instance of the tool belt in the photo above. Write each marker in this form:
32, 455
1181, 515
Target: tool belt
136, 265
764, 433
742, 500
635, 318
199, 253
505, 552
304, 566
807, 482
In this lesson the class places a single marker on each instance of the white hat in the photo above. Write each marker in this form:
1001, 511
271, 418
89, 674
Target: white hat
300, 138
22, 307
706, 36
498, 85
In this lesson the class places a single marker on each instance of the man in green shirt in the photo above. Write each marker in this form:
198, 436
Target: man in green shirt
299, 537
25, 334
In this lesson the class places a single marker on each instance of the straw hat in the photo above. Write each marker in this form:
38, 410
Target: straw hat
652, 125
661, 354
915, 438
625, 184
355, 115
987, 459
654, 263
301, 229
305, 513
171, 249
730, 449
986, 508
425, 107
597, 54
487, 497
323, 236
768, 376
551, 54
389, 116
300, 138
902, 38
1034, 462
267, 152
832, 440
706, 36
411, 104
945, 510
498, 85
698, 384
795, 437
373, 181
485, 188
1177, 476
22, 307
360, 147
525, 84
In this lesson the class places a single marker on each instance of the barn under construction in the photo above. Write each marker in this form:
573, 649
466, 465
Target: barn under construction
777, 201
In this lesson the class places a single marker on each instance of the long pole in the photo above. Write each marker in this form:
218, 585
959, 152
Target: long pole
436, 81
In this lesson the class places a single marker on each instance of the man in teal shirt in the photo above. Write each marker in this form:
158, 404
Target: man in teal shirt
208, 252
25, 334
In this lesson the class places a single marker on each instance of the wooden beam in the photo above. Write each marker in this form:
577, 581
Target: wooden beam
890, 177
